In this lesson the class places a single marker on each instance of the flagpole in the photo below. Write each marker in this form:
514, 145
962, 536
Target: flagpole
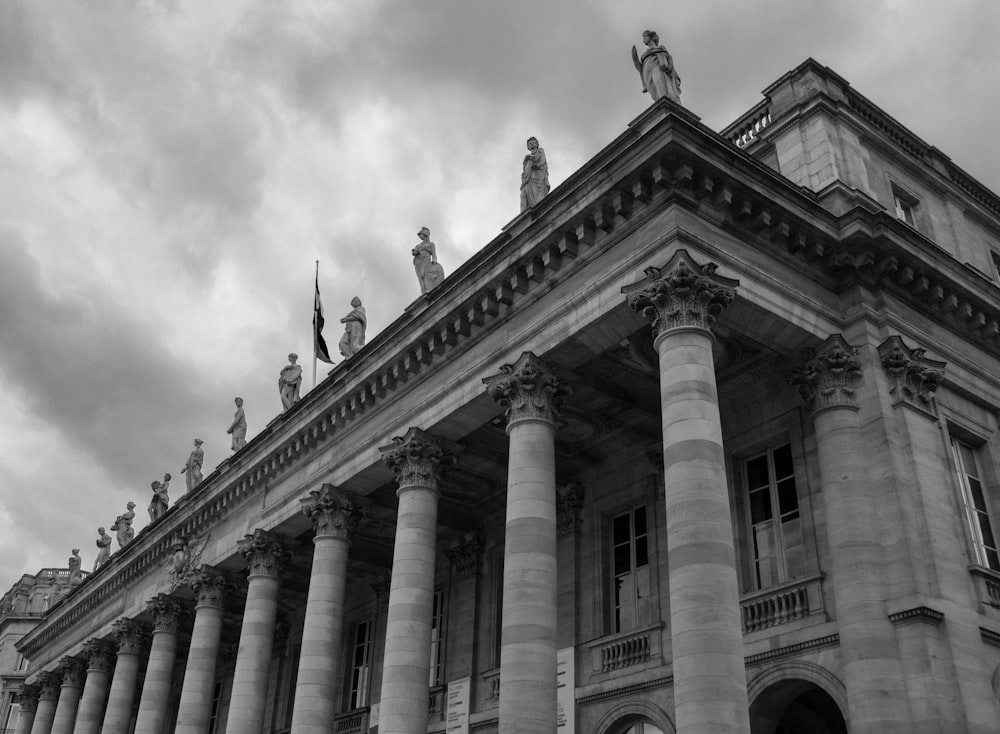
315, 346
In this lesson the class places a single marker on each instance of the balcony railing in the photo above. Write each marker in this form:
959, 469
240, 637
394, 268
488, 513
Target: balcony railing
782, 604
352, 722
626, 649
987, 585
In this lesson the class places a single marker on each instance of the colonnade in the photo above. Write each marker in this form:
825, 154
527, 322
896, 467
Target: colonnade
681, 301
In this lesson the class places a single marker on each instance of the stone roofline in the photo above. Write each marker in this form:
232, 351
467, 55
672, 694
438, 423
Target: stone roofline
798, 92
665, 157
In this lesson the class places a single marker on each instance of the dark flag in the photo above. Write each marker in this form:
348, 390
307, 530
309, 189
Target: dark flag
319, 343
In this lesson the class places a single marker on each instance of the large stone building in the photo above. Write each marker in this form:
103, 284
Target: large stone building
719, 424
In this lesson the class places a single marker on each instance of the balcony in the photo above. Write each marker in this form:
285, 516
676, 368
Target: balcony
627, 649
987, 583
782, 604
352, 722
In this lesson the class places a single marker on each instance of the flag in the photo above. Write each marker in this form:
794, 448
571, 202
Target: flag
319, 343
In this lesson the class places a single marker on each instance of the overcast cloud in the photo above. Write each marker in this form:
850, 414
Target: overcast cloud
170, 172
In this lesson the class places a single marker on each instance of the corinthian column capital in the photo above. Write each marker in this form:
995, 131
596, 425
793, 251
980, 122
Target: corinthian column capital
131, 636
681, 294
913, 377
210, 586
166, 613
49, 683
28, 697
74, 671
418, 458
529, 388
828, 377
265, 553
334, 512
99, 655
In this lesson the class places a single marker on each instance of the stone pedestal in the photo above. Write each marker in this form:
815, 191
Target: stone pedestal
49, 686
118, 714
74, 672
876, 693
418, 460
266, 554
166, 613
682, 301
195, 708
333, 513
28, 698
530, 392
100, 660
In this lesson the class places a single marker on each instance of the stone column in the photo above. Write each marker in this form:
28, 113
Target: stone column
418, 459
876, 693
266, 555
211, 588
49, 684
333, 513
28, 698
131, 640
74, 672
166, 613
531, 393
100, 659
682, 301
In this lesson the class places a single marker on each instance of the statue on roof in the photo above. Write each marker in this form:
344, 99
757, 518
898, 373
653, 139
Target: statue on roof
289, 382
656, 69
425, 262
103, 548
123, 525
534, 175
74, 563
355, 324
238, 428
192, 469
160, 500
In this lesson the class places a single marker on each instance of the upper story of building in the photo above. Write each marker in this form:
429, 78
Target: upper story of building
819, 132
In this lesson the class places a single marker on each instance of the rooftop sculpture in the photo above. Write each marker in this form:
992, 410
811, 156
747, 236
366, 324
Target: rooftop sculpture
238, 428
160, 500
355, 323
425, 263
289, 382
192, 469
656, 69
534, 175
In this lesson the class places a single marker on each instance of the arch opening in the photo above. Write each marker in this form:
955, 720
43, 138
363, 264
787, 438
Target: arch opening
796, 707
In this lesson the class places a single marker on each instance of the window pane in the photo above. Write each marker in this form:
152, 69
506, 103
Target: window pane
968, 459
986, 530
757, 473
763, 540
766, 573
788, 499
641, 552
644, 597
623, 560
783, 462
760, 506
795, 563
791, 533
620, 530
978, 499
993, 560
640, 521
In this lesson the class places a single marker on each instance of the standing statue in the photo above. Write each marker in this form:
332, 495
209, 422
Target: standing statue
656, 69
158, 504
103, 548
355, 324
238, 428
289, 382
123, 525
75, 574
429, 270
193, 466
534, 175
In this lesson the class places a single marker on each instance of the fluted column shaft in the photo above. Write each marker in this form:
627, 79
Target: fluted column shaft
416, 458
531, 392
682, 300
95, 689
265, 554
160, 669
121, 698
195, 708
332, 512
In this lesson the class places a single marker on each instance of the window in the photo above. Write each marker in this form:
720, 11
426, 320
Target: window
996, 263
775, 526
213, 717
905, 205
977, 513
10, 716
631, 593
22, 662
436, 677
361, 662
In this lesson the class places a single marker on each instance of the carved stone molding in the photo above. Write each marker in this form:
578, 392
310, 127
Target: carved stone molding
381, 585
569, 500
166, 613
184, 559
419, 459
681, 294
211, 587
74, 672
913, 377
333, 511
464, 555
266, 553
829, 374
28, 697
529, 388
100, 655
131, 636
49, 682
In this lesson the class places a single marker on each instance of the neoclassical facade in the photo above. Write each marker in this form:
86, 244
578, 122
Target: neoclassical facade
704, 441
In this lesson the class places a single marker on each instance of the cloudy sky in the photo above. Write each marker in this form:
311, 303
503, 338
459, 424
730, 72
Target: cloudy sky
171, 171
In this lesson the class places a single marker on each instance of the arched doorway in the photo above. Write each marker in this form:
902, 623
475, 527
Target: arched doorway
796, 707
636, 725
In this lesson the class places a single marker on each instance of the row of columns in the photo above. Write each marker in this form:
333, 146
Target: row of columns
682, 301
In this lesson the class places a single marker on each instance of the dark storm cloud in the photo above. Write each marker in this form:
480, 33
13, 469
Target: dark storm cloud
94, 370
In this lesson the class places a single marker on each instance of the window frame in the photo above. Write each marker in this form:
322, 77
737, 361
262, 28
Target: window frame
904, 203
359, 696
971, 513
439, 633
633, 542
